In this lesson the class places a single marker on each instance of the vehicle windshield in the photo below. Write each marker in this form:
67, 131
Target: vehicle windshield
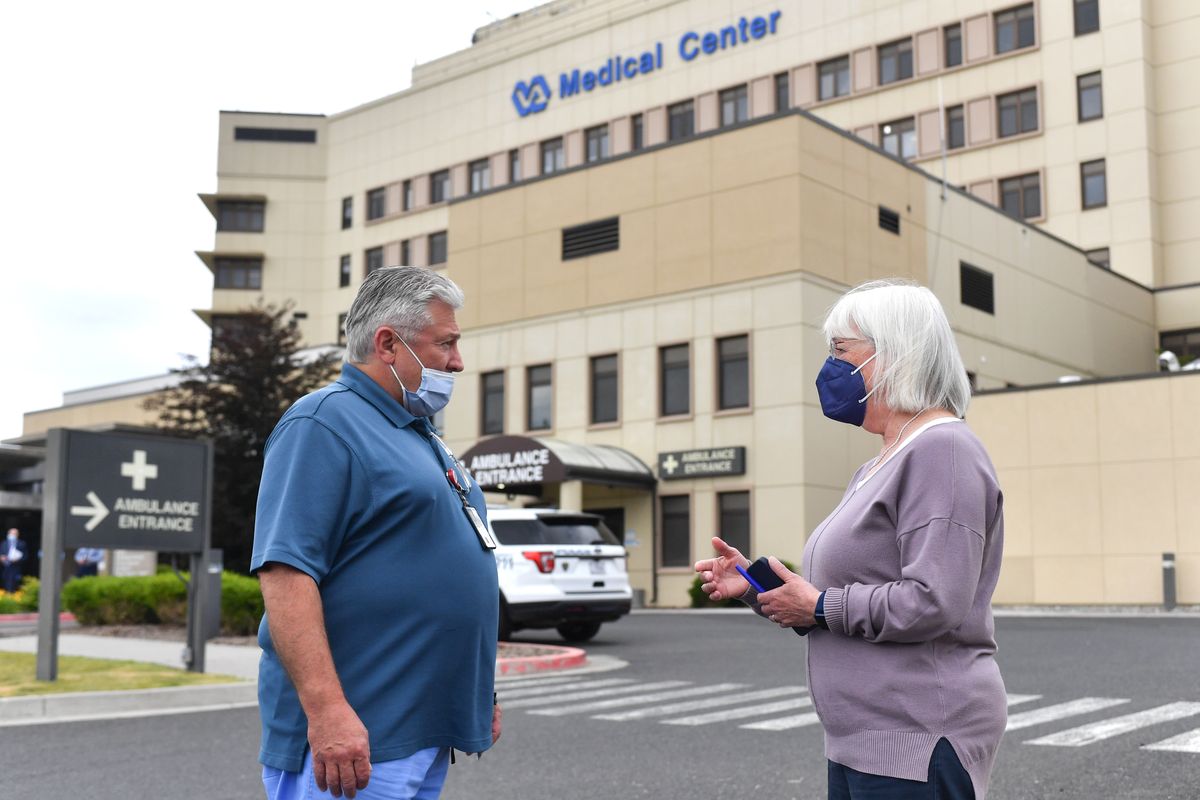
553, 530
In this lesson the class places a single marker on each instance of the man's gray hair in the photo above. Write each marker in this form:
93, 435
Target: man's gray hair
398, 297
918, 365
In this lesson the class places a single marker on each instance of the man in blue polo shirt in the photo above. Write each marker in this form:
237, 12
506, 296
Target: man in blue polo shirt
371, 545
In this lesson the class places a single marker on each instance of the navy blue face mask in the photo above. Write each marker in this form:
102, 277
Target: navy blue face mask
843, 391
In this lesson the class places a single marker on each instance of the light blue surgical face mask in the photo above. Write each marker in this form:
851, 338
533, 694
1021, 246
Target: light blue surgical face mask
434, 392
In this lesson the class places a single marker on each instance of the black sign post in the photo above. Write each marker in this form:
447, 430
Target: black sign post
128, 491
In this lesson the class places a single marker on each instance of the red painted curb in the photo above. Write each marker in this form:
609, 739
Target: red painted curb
65, 616
562, 658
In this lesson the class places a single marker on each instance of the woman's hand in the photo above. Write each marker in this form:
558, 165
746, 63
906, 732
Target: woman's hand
791, 605
721, 578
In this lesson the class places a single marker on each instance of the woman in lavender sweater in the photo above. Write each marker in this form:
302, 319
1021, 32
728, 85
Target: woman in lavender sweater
898, 579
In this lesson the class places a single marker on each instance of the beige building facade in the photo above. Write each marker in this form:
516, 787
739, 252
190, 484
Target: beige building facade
650, 206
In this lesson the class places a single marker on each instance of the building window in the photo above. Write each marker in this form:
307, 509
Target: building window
347, 212
1094, 183
341, 331
405, 253
675, 381
1099, 257
553, 157
1014, 28
538, 397
491, 409
344, 271
637, 135
437, 248
439, 186
895, 61
238, 273
735, 105
408, 195
604, 389
373, 259
899, 138
514, 165
734, 513
833, 78
1021, 197
481, 175
596, 141
783, 97
956, 128
952, 38
733, 372
676, 530
976, 288
1184, 344
241, 216
1087, 16
376, 203
1091, 96
681, 121
1017, 112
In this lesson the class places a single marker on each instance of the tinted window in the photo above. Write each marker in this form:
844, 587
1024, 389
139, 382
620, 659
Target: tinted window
735, 105
1091, 97
782, 95
596, 142
675, 380
439, 186
956, 135
553, 530
676, 531
553, 157
1014, 29
953, 45
733, 356
235, 215
604, 389
895, 61
833, 78
681, 121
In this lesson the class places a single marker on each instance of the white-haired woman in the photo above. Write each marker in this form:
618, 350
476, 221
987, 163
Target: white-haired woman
898, 579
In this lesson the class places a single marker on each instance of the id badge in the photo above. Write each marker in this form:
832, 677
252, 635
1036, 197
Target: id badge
481, 530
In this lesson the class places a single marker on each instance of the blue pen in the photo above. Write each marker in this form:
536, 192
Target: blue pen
753, 583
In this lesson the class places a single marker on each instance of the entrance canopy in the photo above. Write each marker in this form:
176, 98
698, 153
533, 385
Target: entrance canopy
522, 464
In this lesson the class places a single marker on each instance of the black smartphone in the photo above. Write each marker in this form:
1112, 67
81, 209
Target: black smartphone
764, 579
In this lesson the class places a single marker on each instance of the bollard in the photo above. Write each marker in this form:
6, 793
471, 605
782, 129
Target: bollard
1168, 581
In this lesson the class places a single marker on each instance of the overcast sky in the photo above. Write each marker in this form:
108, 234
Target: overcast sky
109, 131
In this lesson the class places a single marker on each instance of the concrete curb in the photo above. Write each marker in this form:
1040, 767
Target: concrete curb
77, 706
561, 658
65, 616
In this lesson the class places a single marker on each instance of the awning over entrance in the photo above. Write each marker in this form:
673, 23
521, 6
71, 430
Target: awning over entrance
522, 464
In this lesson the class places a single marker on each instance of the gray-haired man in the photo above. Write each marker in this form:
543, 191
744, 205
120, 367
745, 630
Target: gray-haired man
371, 545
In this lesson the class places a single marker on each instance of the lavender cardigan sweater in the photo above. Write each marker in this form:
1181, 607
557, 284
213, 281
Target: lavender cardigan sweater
908, 562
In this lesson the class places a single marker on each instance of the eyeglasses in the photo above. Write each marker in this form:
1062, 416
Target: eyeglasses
833, 344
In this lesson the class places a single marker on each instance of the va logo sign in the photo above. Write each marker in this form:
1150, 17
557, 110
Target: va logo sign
532, 97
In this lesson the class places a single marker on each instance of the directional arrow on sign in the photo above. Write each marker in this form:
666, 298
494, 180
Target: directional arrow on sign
97, 511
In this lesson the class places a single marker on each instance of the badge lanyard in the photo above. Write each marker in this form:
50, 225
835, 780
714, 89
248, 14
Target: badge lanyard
462, 489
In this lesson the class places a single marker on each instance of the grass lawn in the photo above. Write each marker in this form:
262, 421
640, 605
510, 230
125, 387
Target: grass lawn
78, 674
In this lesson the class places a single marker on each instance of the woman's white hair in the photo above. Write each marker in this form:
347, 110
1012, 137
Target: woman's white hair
399, 298
918, 365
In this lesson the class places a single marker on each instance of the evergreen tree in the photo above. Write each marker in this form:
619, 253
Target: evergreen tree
254, 373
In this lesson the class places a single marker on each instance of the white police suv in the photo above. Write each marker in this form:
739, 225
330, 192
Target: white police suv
558, 569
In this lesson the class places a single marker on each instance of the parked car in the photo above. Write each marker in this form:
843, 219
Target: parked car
558, 569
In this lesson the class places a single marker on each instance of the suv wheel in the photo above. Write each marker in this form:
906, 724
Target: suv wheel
504, 629
578, 631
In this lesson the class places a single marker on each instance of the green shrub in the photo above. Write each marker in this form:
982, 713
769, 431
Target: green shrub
700, 599
241, 604
21, 601
159, 599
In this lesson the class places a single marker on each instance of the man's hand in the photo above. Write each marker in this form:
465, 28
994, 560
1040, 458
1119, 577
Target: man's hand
791, 605
496, 722
341, 751
721, 578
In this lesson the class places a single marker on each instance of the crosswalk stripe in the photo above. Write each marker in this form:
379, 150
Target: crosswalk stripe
1107, 728
507, 694
696, 705
570, 697
540, 681
1183, 743
1073, 708
1017, 699
742, 712
783, 723
599, 705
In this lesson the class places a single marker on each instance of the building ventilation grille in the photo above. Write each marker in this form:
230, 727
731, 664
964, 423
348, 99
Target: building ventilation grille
977, 288
591, 238
304, 135
889, 220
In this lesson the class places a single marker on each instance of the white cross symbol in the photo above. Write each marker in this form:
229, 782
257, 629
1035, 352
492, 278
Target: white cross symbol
669, 464
139, 470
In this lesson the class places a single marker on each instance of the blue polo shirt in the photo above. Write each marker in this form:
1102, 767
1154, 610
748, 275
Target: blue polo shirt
354, 493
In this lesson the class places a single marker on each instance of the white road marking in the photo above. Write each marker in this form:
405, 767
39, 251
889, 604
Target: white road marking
783, 723
1183, 743
742, 713
543, 690
1107, 728
600, 705
1017, 699
540, 681
1073, 708
697, 705
569, 697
